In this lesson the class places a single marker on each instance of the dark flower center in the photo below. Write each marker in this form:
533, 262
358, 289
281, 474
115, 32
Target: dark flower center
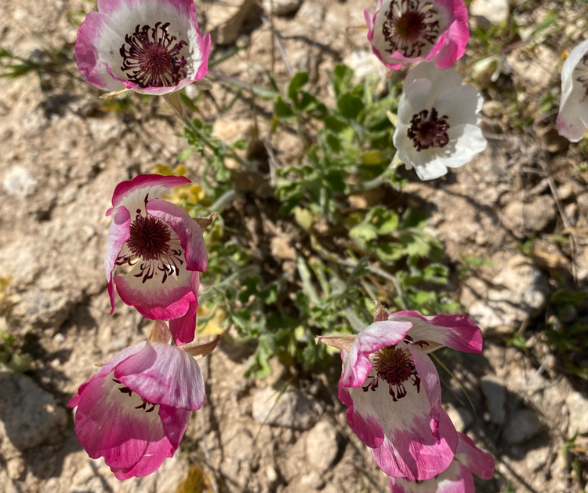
410, 26
428, 130
152, 58
150, 238
395, 366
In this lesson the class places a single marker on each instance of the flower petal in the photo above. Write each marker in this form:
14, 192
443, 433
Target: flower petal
458, 34
163, 374
143, 185
156, 300
184, 328
455, 479
187, 230
106, 369
174, 422
118, 235
419, 438
377, 335
87, 54
477, 461
108, 425
365, 424
458, 333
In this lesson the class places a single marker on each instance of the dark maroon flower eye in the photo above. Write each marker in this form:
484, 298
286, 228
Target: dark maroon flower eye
428, 130
152, 58
411, 27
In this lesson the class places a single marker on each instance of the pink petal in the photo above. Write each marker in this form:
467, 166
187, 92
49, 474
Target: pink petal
107, 424
118, 235
106, 369
379, 334
204, 43
87, 55
184, 328
412, 437
420, 437
154, 185
174, 422
455, 479
366, 426
477, 461
163, 374
458, 34
153, 299
458, 333
187, 230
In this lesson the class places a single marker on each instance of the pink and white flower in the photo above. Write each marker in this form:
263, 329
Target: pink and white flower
392, 389
572, 120
406, 31
150, 46
457, 478
162, 250
135, 410
438, 121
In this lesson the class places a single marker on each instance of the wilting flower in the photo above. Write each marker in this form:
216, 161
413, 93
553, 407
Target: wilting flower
135, 410
150, 46
392, 389
162, 250
457, 478
437, 122
403, 31
572, 120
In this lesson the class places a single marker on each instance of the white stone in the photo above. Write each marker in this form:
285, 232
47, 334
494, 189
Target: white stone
281, 7
291, 409
578, 409
521, 292
321, 446
19, 182
311, 14
224, 19
495, 11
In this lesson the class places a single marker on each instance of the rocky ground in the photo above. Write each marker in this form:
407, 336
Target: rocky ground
62, 155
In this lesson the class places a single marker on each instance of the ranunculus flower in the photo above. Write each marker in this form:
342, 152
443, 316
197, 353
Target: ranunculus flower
149, 46
457, 478
404, 31
437, 122
572, 120
392, 389
135, 410
162, 250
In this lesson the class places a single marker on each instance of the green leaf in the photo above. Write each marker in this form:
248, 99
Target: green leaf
336, 124
350, 106
298, 81
342, 77
283, 110
364, 232
334, 142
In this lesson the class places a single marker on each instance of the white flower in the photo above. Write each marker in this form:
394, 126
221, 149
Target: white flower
572, 120
437, 122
